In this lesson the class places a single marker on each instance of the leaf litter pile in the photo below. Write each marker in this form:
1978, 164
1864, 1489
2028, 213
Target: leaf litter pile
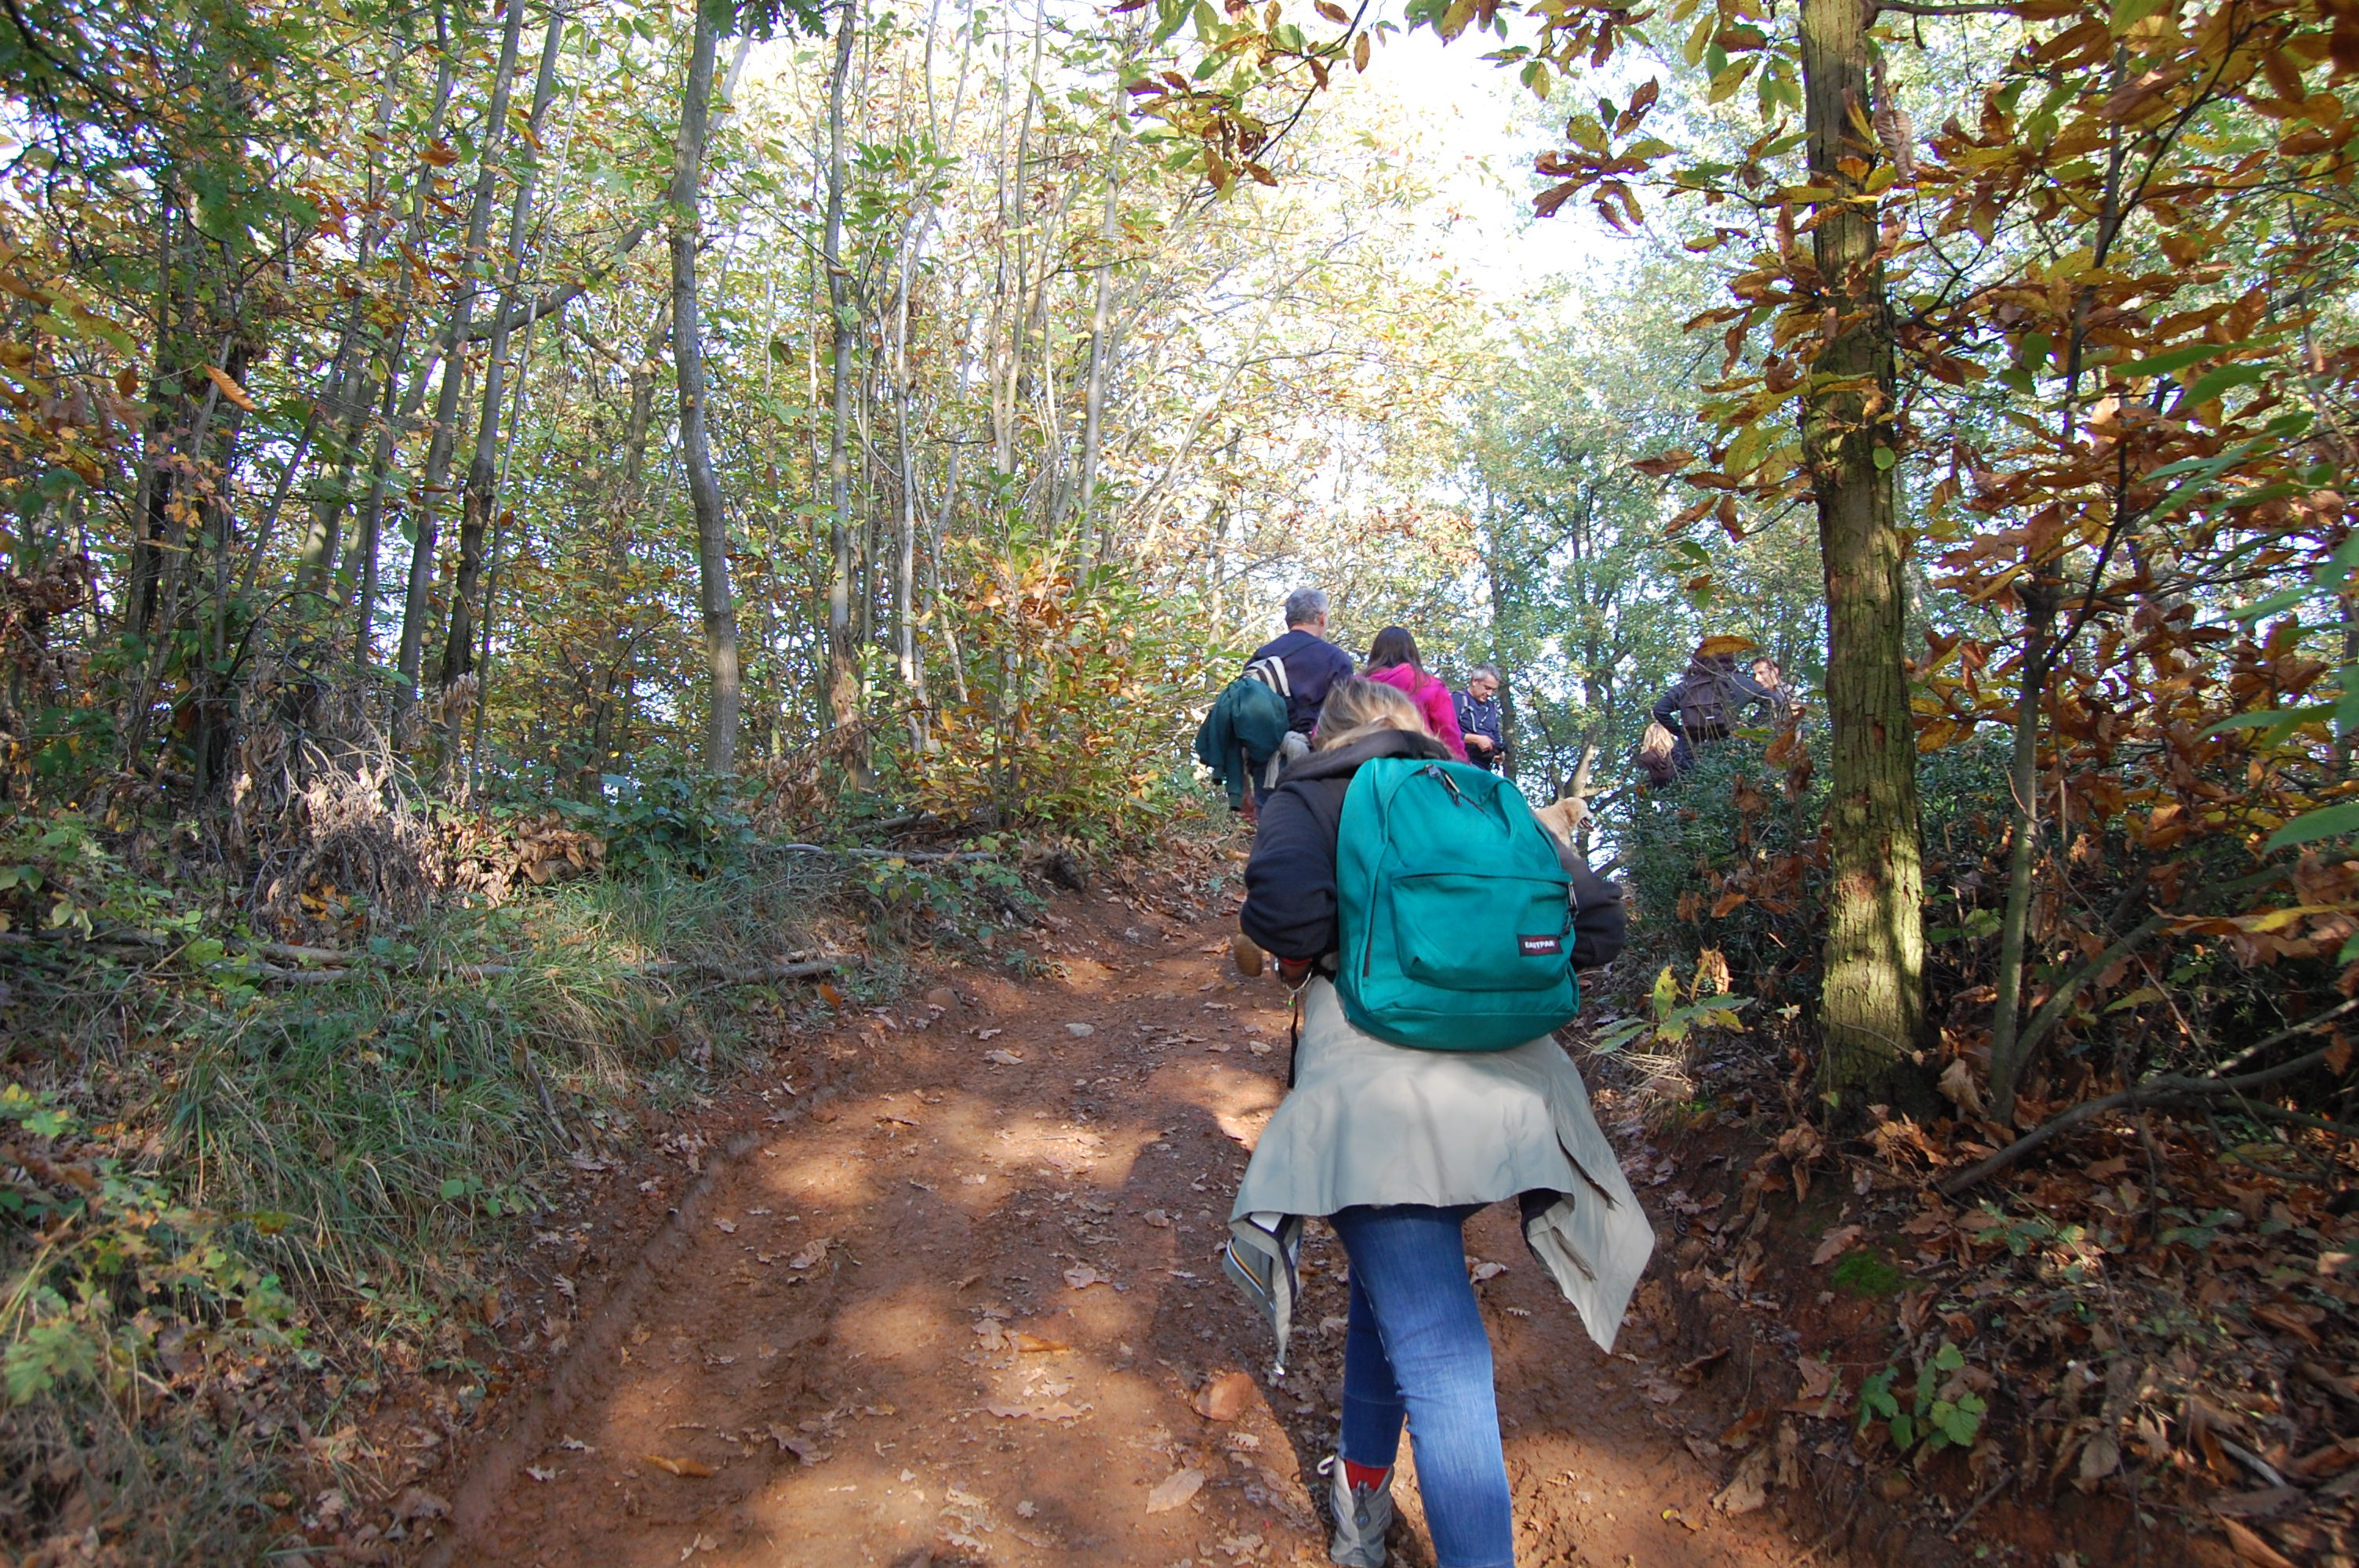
2142, 1341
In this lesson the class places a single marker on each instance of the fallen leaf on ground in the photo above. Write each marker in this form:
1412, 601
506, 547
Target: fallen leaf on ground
701, 1543
1224, 1398
1056, 1409
1082, 1277
1080, 1031
992, 1336
803, 1448
1819, 1392
726, 1227
576, 1444
542, 1472
418, 1503
1673, 1516
942, 998
1488, 1271
691, 1469
1748, 1488
1834, 1244
1035, 1345
1958, 1082
810, 1257
1744, 1429
1174, 1490
2252, 1549
1002, 1058
1157, 1218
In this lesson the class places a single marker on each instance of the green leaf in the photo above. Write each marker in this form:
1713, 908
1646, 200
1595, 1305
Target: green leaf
2329, 822
2214, 383
1884, 459
2178, 358
2128, 13
456, 1186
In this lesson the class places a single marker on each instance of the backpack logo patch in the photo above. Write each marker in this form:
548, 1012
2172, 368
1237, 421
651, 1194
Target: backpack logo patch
1547, 946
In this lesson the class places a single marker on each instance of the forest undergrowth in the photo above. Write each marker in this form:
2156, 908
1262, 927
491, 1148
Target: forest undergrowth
2133, 1300
263, 1185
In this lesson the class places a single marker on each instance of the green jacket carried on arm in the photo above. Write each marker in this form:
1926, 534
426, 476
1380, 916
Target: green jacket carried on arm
1243, 732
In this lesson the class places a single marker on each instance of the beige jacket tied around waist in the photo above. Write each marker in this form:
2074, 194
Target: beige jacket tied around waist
1370, 1122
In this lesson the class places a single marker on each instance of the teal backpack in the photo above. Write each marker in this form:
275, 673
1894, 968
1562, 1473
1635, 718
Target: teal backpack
1456, 915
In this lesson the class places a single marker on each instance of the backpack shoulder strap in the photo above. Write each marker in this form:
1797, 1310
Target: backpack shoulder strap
1271, 673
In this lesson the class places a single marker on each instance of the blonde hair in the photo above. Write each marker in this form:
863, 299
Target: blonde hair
1657, 744
1360, 706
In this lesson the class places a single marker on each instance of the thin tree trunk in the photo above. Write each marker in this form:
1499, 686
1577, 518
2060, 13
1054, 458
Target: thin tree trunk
2039, 597
482, 498
842, 672
1872, 1000
416, 604
714, 594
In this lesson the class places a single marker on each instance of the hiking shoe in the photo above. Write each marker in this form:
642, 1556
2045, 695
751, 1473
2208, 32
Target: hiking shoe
1362, 1515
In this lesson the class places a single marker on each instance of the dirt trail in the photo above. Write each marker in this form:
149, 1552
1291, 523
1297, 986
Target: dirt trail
960, 1313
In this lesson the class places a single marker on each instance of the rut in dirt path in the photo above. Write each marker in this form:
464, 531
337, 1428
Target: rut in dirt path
968, 1310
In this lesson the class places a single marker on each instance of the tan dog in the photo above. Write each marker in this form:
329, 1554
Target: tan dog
1563, 818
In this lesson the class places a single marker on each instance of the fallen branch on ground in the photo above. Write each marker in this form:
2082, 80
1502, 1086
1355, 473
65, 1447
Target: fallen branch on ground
2152, 1092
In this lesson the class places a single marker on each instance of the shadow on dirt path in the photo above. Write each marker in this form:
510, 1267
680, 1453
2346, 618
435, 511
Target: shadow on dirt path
963, 1314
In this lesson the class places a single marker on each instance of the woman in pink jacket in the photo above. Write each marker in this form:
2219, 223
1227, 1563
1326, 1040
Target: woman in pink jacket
1392, 659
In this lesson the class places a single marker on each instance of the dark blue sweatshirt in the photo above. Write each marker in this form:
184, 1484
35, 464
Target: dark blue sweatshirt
1313, 666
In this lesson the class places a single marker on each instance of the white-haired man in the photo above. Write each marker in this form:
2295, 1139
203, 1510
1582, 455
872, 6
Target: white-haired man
1480, 719
1313, 665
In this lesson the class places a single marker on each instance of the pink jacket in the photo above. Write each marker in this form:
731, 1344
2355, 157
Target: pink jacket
1432, 699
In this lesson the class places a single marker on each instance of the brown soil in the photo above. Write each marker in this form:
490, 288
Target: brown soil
961, 1309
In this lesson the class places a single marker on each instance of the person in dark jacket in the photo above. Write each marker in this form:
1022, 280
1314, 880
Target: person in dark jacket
1480, 720
1416, 1347
1313, 665
1711, 698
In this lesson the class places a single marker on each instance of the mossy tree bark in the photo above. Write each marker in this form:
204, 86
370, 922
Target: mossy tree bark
1873, 1003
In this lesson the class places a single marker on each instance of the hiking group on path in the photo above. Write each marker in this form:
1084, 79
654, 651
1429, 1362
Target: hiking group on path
1432, 927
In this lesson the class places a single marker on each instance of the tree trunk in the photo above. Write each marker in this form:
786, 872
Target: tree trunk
1873, 1002
2040, 597
482, 498
842, 672
416, 604
714, 594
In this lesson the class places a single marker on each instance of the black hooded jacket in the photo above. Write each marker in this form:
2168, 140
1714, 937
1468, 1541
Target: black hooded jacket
1290, 880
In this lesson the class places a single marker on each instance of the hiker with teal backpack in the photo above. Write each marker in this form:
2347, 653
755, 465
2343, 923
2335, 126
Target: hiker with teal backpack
1433, 929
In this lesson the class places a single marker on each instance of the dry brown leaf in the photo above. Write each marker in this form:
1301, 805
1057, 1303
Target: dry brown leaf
1744, 1429
1834, 1244
1748, 1488
1081, 1277
1174, 1490
1034, 1344
2251, 1548
992, 1336
1224, 1398
230, 388
1004, 1058
689, 1469
1958, 1082
1713, 647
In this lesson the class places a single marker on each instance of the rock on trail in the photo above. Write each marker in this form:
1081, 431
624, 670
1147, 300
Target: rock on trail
970, 1312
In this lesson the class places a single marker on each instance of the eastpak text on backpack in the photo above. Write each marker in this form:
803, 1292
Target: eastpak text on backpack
1455, 914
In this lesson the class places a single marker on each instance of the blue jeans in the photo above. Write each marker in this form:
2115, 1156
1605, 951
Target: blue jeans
1417, 1348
